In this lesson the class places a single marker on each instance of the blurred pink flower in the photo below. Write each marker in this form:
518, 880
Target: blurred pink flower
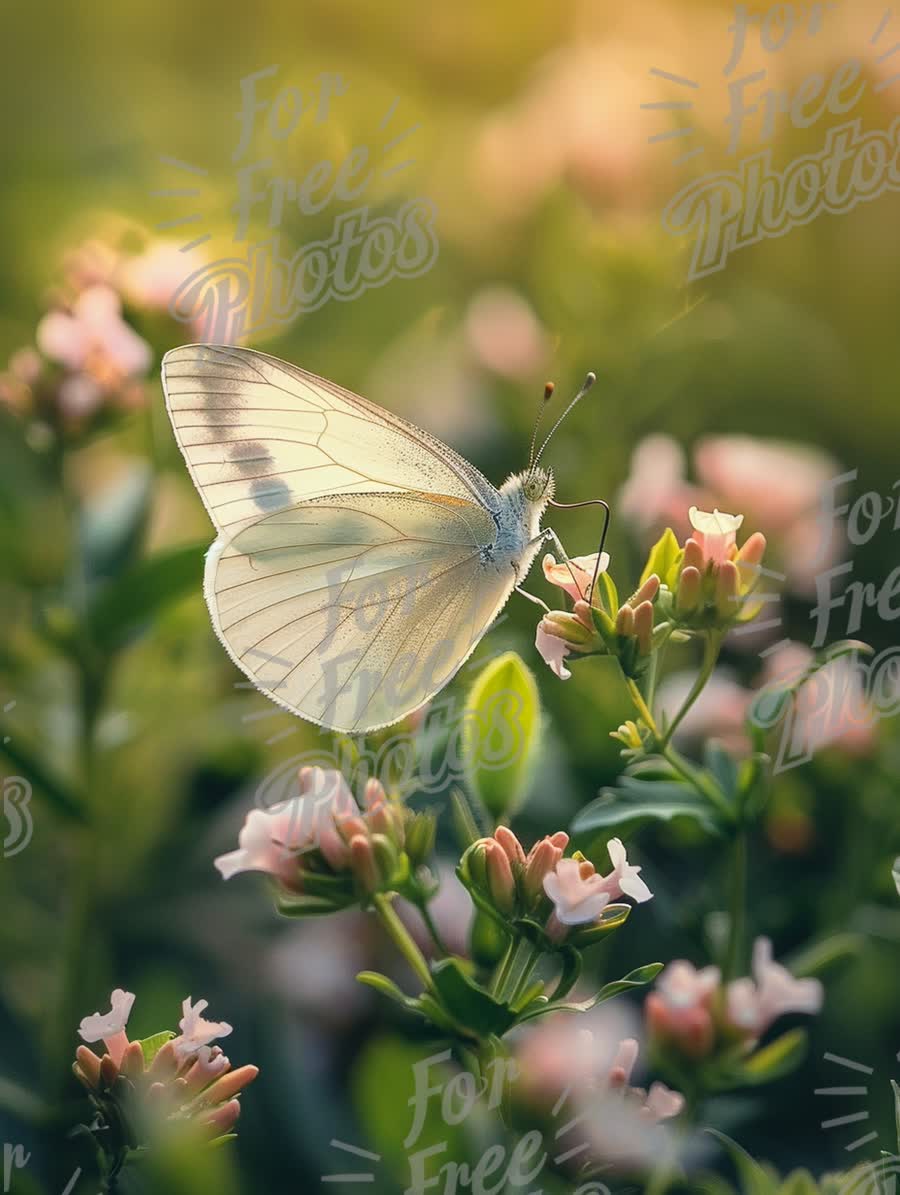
151, 278
719, 712
679, 1008
94, 337
656, 494
753, 1004
505, 334
831, 707
779, 485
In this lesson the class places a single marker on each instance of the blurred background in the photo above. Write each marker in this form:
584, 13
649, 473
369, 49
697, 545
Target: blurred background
749, 388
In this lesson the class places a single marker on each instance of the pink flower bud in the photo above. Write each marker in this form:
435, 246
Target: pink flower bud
689, 586
362, 863
510, 844
625, 621
728, 584
501, 883
643, 626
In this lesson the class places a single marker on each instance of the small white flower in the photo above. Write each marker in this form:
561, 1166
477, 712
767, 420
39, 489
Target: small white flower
625, 879
195, 1031
101, 1026
716, 533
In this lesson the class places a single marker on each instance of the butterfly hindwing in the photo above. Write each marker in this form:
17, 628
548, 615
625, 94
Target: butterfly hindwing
353, 610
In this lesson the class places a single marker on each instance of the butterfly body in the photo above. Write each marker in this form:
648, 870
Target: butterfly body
359, 561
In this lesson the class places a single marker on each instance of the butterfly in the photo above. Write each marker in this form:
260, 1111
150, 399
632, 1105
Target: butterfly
359, 561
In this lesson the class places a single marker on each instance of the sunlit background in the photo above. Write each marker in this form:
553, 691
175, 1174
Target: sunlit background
524, 127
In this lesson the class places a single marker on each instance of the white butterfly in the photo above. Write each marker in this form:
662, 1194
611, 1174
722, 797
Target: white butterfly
359, 560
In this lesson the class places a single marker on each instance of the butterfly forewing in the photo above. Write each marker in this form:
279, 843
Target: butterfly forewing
260, 435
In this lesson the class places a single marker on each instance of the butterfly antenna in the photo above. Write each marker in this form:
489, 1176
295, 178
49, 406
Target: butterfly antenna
588, 382
548, 394
602, 545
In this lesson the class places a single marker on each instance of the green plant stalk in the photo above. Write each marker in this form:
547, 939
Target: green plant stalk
501, 975
401, 939
710, 657
738, 909
422, 906
532, 956
704, 784
62, 1031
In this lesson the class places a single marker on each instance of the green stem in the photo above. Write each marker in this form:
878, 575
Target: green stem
738, 911
531, 961
710, 657
404, 943
79, 924
432, 928
703, 783
501, 975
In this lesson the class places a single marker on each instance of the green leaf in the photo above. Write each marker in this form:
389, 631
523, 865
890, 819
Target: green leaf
821, 956
754, 1179
723, 767
467, 1002
663, 559
47, 784
151, 1046
464, 823
636, 800
127, 604
634, 979
500, 731
778, 1058
607, 594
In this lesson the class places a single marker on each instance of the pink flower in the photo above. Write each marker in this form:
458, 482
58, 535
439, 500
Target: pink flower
553, 650
656, 493
504, 333
268, 841
575, 575
680, 1008
753, 1004
94, 337
715, 533
776, 481
196, 1032
110, 1027
578, 893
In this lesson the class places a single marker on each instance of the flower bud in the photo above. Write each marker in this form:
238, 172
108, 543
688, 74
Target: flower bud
510, 844
363, 864
687, 597
727, 591
500, 881
419, 834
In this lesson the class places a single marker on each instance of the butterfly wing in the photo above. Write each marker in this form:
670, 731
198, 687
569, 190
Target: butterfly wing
260, 435
347, 579
352, 610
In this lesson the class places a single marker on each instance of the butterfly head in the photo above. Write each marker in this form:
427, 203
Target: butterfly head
538, 485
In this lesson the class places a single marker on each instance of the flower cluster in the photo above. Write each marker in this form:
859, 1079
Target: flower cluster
567, 897
325, 850
166, 1083
692, 1012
